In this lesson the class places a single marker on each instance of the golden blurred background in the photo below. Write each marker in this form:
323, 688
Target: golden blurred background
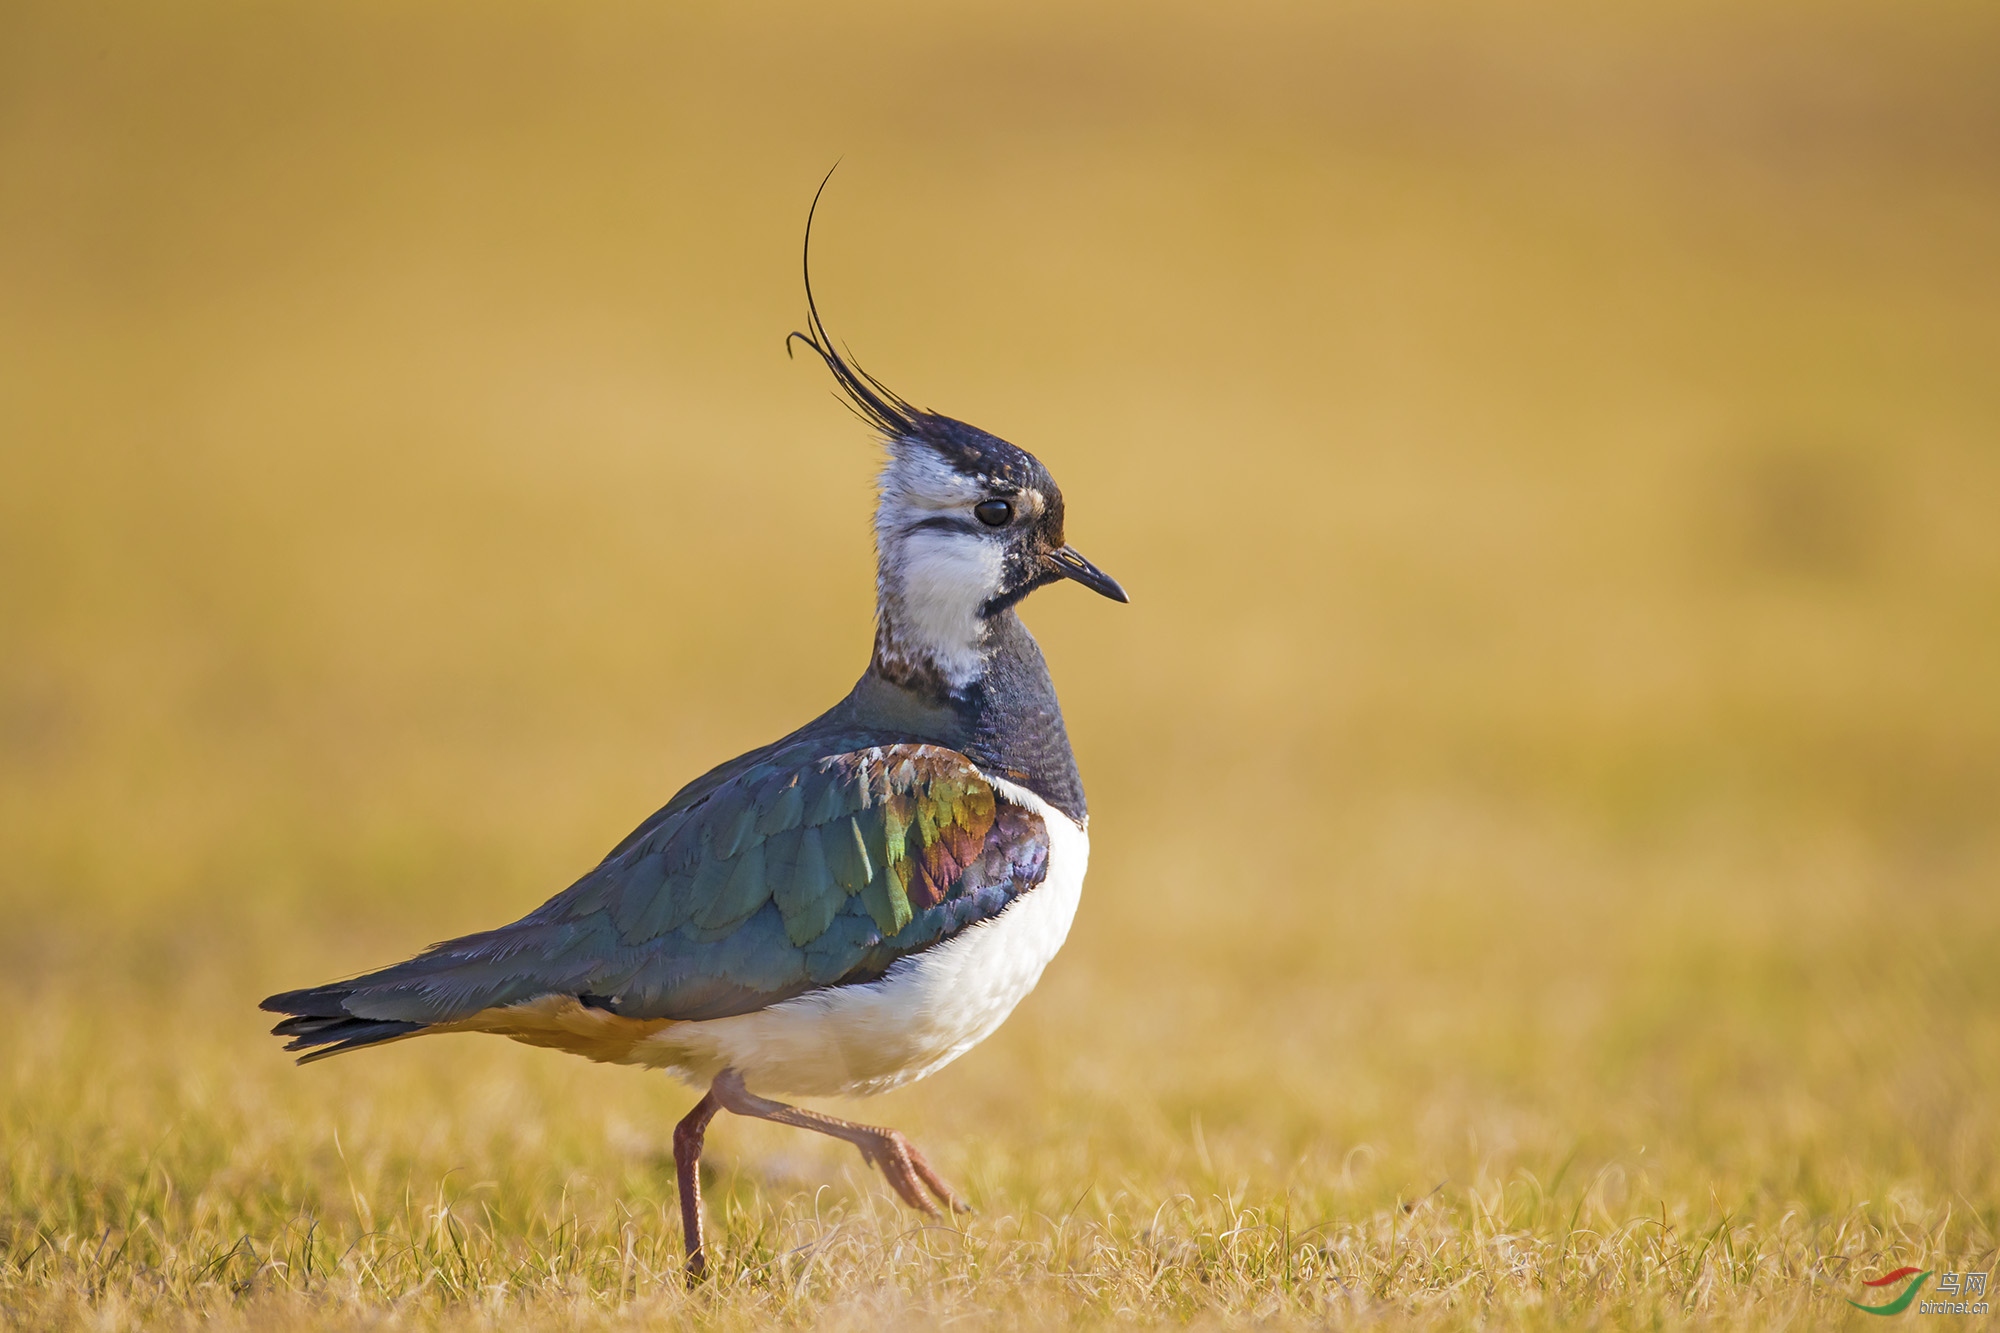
1552, 450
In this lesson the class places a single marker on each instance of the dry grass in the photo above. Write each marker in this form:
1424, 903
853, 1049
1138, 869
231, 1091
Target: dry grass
1546, 858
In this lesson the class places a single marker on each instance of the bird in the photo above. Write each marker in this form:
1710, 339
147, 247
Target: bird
842, 911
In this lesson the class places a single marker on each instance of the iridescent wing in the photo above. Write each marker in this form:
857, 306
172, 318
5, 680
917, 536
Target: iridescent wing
801, 868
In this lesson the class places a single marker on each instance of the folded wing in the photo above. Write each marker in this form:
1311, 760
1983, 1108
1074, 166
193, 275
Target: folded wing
805, 869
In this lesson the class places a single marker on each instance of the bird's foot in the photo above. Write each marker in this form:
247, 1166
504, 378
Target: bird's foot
908, 1173
885, 1149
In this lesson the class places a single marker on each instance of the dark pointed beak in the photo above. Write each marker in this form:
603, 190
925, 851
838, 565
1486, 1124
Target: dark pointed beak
1073, 566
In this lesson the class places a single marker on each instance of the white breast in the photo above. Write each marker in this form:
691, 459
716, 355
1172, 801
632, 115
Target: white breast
929, 1009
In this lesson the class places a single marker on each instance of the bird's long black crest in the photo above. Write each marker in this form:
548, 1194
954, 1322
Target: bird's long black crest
972, 451
867, 397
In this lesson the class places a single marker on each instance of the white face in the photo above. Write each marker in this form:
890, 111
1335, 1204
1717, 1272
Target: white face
936, 575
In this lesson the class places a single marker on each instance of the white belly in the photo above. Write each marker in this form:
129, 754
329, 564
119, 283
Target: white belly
926, 1011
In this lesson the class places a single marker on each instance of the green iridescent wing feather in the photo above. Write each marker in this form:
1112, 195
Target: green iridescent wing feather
807, 865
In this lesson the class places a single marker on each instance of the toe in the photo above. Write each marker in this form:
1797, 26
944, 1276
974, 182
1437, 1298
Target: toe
913, 1194
935, 1183
892, 1158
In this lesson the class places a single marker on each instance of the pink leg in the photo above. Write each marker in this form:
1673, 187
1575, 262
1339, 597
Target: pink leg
688, 1136
885, 1149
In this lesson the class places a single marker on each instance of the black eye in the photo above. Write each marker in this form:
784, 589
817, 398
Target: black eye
994, 513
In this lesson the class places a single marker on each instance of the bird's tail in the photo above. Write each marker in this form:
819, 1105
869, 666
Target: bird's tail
446, 983
321, 1025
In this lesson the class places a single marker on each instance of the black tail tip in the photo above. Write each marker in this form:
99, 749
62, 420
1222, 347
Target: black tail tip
319, 1025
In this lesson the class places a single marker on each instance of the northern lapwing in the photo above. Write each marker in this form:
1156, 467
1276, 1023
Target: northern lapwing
848, 908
